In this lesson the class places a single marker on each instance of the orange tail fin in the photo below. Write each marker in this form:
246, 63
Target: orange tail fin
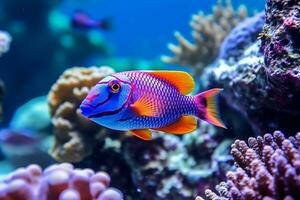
208, 110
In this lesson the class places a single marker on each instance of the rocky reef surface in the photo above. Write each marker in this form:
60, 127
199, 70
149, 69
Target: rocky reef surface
263, 82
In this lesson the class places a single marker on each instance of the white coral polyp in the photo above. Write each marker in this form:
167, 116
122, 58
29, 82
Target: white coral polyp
5, 40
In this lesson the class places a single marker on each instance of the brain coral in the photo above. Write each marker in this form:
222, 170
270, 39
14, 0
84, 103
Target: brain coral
74, 135
208, 33
268, 168
57, 182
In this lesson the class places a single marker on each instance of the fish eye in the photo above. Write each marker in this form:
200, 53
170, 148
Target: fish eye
115, 87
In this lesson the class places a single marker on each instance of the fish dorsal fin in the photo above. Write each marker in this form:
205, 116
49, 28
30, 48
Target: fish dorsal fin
181, 80
145, 107
144, 134
185, 124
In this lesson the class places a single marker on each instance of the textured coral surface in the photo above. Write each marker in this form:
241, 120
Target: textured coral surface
57, 182
263, 82
208, 33
75, 136
267, 168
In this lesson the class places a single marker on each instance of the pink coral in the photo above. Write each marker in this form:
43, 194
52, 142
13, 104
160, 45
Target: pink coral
57, 182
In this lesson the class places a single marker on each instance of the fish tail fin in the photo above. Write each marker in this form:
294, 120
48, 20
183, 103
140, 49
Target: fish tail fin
207, 107
106, 23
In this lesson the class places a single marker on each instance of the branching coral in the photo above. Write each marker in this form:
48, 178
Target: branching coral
74, 135
208, 33
5, 40
57, 182
268, 168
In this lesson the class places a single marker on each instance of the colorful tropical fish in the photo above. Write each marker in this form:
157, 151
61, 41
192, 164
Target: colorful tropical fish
137, 101
81, 20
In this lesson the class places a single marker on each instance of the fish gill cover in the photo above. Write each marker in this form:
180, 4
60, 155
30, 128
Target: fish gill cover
252, 55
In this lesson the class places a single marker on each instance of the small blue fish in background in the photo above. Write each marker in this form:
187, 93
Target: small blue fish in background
82, 20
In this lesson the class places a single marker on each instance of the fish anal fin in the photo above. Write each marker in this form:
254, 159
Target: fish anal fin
144, 134
144, 107
185, 124
181, 80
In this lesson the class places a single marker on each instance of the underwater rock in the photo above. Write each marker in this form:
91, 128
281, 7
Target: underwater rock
75, 136
57, 182
208, 33
263, 84
241, 37
33, 115
281, 48
23, 147
268, 168
5, 40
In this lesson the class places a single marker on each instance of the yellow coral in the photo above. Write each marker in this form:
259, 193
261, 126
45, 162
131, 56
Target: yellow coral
208, 33
74, 135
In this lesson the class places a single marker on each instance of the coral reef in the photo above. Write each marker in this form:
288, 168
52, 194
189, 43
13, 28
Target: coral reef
208, 33
167, 168
263, 84
75, 136
268, 168
57, 182
5, 40
243, 35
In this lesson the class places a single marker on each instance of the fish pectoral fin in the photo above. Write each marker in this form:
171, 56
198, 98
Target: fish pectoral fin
185, 124
145, 107
144, 134
181, 80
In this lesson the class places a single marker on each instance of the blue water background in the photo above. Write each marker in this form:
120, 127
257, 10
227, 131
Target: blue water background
142, 28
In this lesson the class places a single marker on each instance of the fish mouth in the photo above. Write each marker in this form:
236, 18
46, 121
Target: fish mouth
86, 109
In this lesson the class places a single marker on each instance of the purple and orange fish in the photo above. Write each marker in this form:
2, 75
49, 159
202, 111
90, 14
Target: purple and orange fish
82, 20
137, 101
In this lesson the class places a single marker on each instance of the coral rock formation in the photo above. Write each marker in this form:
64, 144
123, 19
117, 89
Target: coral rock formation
208, 33
168, 167
75, 136
5, 40
264, 83
243, 35
57, 182
268, 168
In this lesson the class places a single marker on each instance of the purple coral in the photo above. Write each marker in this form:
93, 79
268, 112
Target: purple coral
57, 182
242, 36
268, 168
